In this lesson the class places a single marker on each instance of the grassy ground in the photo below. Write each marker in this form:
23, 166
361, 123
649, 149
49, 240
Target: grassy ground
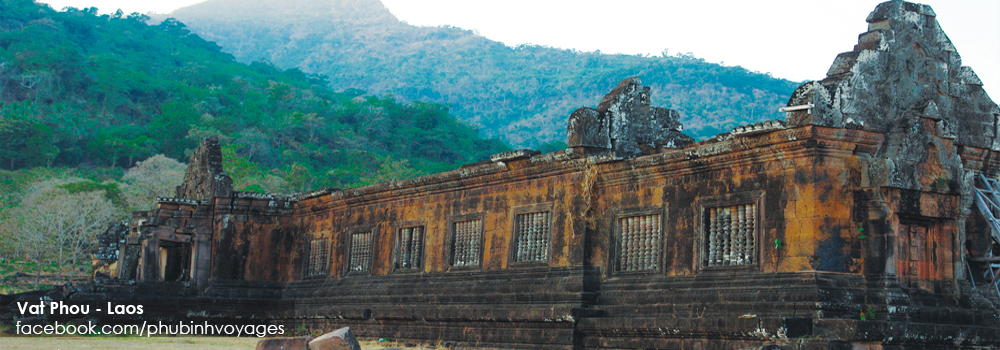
158, 343
18, 275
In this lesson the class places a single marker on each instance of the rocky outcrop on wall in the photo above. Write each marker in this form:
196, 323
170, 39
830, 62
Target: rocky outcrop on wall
205, 178
625, 122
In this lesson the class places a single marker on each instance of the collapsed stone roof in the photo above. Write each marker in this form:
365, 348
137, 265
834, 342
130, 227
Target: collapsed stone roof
625, 123
905, 79
903, 67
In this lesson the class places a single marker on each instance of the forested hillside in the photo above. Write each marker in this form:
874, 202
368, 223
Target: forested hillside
521, 94
78, 88
97, 112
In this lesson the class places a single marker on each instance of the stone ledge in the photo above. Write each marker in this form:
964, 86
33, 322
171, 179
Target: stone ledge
513, 155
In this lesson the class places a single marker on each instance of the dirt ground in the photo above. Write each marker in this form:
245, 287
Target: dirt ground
157, 343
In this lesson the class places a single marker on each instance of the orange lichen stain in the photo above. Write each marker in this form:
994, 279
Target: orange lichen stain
805, 206
794, 264
802, 242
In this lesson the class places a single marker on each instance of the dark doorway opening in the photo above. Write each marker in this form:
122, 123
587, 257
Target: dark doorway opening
174, 261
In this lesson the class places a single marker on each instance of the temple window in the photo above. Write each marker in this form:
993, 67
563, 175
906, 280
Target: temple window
531, 236
409, 251
732, 235
638, 238
318, 250
360, 252
467, 242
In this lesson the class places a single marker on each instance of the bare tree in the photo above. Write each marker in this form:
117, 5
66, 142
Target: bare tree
91, 216
35, 223
53, 225
31, 79
151, 178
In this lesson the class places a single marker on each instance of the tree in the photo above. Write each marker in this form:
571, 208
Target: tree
391, 170
91, 213
154, 177
35, 224
4, 68
30, 80
26, 142
311, 122
51, 224
114, 142
138, 17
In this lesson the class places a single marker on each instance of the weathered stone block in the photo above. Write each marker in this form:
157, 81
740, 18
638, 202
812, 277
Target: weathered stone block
341, 339
625, 121
586, 128
297, 343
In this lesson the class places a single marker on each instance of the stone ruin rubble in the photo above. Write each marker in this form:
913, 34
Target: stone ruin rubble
851, 225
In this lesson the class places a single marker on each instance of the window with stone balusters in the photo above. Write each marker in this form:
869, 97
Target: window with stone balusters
360, 253
467, 236
318, 253
409, 251
639, 242
531, 236
731, 235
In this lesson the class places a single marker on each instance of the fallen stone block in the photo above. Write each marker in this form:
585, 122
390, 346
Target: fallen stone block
297, 343
341, 339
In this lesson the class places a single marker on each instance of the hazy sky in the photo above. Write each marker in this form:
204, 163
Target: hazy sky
795, 40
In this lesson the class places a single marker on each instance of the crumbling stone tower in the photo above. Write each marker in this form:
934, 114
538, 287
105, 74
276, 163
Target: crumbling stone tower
905, 80
205, 179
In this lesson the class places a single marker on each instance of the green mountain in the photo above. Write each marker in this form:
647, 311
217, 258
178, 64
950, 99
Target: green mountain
523, 94
78, 88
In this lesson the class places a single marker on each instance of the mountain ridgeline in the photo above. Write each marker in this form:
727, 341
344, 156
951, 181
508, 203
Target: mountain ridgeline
79, 88
522, 94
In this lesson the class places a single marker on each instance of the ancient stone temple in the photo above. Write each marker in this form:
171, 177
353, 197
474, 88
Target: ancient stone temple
853, 224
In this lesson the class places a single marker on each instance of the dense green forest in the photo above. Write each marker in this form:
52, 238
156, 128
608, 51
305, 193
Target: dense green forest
522, 94
78, 88
97, 112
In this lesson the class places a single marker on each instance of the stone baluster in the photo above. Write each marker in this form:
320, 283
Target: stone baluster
406, 237
750, 230
522, 236
460, 244
624, 259
644, 242
740, 236
476, 243
651, 251
724, 248
537, 239
634, 252
533, 236
656, 240
417, 242
734, 235
543, 254
713, 237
